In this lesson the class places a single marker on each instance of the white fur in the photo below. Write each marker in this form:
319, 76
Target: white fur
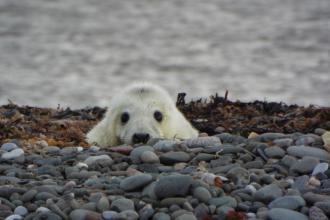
140, 101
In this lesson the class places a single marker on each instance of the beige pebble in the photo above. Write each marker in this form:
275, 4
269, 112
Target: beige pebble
326, 140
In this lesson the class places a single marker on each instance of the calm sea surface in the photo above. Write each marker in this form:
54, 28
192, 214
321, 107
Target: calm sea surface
79, 53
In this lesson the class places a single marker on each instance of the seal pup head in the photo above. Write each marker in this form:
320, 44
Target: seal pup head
138, 113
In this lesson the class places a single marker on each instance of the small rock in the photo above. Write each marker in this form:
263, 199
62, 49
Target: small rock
14, 217
122, 204
13, 154
283, 142
103, 204
302, 151
283, 214
161, 216
149, 157
316, 214
325, 206
136, 153
202, 194
320, 168
173, 157
82, 214
20, 210
326, 140
202, 142
267, 137
305, 165
8, 147
274, 152
135, 182
165, 145
104, 159
268, 193
288, 202
124, 149
186, 216
223, 201
127, 215
172, 185
109, 215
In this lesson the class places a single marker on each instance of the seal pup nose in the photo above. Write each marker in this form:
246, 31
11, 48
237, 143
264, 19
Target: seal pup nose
140, 138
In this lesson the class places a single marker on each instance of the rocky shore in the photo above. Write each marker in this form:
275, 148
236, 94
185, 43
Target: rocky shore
47, 171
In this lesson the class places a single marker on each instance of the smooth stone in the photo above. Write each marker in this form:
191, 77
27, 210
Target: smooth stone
202, 142
223, 201
161, 216
82, 214
20, 210
29, 195
127, 215
172, 200
301, 183
316, 213
283, 142
274, 152
48, 216
135, 182
302, 151
149, 191
288, 202
165, 145
288, 160
186, 216
268, 193
13, 154
202, 194
305, 165
52, 150
173, 157
267, 137
311, 197
42, 209
324, 206
103, 204
320, 168
224, 210
100, 158
136, 153
305, 140
8, 147
109, 215
14, 217
173, 185
149, 157
283, 214
122, 204
230, 138
146, 212
239, 175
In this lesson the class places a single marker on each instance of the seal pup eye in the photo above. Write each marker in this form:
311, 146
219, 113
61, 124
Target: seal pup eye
124, 117
158, 116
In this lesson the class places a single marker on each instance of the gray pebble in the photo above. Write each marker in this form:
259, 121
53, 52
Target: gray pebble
268, 193
149, 157
274, 152
172, 185
305, 165
14, 217
302, 151
122, 204
324, 206
288, 202
8, 147
202, 194
161, 216
281, 214
165, 145
127, 215
223, 201
103, 204
173, 157
136, 153
104, 159
109, 215
135, 182
13, 154
20, 210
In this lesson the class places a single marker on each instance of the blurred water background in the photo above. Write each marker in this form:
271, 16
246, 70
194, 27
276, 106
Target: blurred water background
79, 53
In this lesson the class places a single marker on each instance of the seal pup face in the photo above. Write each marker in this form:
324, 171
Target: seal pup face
140, 112
141, 116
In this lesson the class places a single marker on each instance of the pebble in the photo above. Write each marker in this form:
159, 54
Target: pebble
320, 168
104, 159
149, 157
165, 145
316, 213
324, 206
281, 214
109, 215
173, 157
288, 202
305, 165
122, 204
135, 182
82, 214
20, 210
161, 216
172, 185
14, 217
223, 201
127, 214
13, 154
267, 137
8, 147
202, 142
268, 193
302, 151
136, 153
202, 194
274, 152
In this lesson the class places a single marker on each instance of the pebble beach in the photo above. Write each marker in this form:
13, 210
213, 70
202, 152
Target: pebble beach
223, 176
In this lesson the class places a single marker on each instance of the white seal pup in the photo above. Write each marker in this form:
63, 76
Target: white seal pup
138, 113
